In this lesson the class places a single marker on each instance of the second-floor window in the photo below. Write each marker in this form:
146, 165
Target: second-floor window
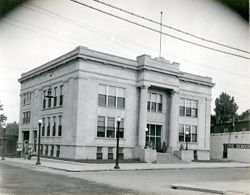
54, 126
43, 126
48, 127
154, 102
26, 117
188, 107
60, 126
61, 95
26, 98
111, 96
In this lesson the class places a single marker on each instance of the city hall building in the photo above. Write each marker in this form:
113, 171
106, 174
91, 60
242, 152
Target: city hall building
79, 96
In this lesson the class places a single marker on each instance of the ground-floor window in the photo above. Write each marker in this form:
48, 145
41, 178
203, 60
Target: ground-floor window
153, 136
99, 153
110, 153
107, 127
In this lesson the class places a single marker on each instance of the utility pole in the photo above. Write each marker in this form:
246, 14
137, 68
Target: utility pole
160, 34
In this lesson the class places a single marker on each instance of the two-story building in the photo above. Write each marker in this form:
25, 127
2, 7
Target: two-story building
157, 102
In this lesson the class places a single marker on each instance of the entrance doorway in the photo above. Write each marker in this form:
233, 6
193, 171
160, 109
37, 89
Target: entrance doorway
153, 136
26, 136
224, 150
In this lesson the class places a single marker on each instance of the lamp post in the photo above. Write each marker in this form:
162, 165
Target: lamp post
117, 144
39, 138
3, 140
187, 133
146, 143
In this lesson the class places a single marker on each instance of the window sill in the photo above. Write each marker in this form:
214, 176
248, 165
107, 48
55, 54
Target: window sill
56, 107
112, 107
182, 142
109, 138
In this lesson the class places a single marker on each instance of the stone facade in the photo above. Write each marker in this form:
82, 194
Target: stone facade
156, 101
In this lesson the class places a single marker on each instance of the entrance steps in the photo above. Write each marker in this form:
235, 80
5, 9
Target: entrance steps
167, 158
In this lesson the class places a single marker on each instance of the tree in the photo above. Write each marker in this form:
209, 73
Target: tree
12, 129
3, 118
225, 108
244, 115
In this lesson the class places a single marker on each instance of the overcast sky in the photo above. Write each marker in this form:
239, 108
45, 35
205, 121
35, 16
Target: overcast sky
41, 30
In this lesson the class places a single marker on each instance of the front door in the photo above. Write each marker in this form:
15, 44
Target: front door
224, 150
153, 136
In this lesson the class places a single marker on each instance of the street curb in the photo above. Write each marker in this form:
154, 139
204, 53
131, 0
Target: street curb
132, 169
192, 188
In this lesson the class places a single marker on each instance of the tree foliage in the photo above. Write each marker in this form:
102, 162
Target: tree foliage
244, 115
225, 108
3, 118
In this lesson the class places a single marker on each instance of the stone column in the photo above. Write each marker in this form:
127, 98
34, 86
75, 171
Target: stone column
142, 115
174, 120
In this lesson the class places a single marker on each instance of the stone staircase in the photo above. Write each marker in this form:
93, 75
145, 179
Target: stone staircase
168, 158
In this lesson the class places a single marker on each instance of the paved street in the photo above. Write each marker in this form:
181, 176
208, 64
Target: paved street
23, 181
27, 179
160, 181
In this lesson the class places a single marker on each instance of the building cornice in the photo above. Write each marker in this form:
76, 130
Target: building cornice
143, 62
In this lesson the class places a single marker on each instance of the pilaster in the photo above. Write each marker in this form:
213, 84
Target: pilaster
174, 120
142, 115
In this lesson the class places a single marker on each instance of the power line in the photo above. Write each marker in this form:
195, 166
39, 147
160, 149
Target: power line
149, 28
210, 67
108, 35
170, 27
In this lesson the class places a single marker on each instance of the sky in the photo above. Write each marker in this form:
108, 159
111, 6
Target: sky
41, 30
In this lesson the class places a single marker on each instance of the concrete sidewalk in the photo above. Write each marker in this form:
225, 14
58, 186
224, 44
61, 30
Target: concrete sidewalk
81, 167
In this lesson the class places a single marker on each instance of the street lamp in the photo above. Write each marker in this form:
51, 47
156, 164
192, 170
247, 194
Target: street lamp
118, 119
3, 152
187, 133
39, 137
146, 144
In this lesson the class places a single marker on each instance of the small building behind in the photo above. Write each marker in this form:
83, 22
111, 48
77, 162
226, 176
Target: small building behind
231, 142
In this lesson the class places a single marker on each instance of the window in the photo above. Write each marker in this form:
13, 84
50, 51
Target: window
60, 126
55, 97
61, 95
43, 126
48, 127
99, 153
46, 150
101, 126
58, 151
102, 95
27, 98
194, 107
194, 134
54, 126
121, 129
51, 150
191, 136
41, 149
26, 117
111, 127
188, 107
181, 133
44, 99
111, 96
110, 153
107, 127
154, 103
187, 135
120, 154
182, 107
49, 102
120, 97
